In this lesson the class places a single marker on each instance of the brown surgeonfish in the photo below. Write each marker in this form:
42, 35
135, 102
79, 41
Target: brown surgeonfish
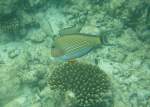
71, 46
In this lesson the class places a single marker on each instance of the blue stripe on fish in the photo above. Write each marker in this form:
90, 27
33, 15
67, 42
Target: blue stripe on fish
75, 54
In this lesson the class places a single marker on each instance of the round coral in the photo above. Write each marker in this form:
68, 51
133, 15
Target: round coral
89, 84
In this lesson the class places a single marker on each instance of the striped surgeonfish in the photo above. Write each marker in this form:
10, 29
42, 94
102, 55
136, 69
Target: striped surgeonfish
71, 46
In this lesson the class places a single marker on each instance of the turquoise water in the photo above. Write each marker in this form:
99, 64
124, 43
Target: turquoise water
27, 31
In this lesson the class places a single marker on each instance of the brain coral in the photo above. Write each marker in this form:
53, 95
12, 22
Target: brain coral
89, 84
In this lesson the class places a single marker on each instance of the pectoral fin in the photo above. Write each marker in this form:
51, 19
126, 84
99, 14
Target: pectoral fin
72, 61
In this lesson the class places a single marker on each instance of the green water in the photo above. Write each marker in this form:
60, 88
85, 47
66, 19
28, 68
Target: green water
31, 77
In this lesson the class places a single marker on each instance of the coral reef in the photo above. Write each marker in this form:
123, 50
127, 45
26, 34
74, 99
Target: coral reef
32, 6
10, 84
10, 23
37, 36
27, 29
87, 82
15, 26
8, 6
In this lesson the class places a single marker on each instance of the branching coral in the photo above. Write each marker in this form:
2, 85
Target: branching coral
9, 23
89, 84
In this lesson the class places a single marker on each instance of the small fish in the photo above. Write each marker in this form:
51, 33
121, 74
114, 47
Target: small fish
71, 46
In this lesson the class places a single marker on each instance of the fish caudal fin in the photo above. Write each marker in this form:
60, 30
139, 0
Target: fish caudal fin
104, 40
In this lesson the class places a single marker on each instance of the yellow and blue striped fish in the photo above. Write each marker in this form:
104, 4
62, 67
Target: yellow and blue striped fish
71, 46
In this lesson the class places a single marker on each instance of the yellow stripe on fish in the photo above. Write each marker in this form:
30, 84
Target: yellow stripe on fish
75, 46
71, 46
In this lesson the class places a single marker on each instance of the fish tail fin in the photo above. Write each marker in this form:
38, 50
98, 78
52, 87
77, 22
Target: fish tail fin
104, 41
